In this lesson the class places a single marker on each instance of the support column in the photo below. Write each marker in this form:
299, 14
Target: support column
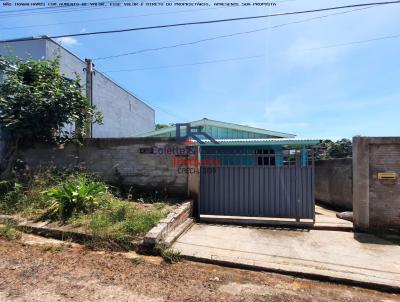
360, 183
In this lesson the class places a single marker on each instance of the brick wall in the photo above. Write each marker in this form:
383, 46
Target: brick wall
333, 183
117, 161
376, 203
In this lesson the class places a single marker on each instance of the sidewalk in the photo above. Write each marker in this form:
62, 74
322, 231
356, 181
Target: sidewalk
326, 219
352, 258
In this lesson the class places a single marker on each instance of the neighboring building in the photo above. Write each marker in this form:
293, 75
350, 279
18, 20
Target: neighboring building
124, 115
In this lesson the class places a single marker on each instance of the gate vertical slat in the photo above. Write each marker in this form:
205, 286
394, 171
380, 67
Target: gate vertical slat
312, 200
219, 188
287, 190
293, 195
225, 182
273, 191
308, 201
243, 187
270, 192
278, 191
248, 190
237, 191
313, 191
231, 190
304, 178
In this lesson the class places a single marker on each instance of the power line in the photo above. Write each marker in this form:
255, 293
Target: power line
17, 13
227, 35
114, 18
225, 20
188, 64
354, 42
221, 20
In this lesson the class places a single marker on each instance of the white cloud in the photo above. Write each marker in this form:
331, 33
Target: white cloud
307, 53
284, 107
67, 41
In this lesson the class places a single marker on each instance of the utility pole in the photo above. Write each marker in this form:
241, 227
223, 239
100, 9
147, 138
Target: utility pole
89, 91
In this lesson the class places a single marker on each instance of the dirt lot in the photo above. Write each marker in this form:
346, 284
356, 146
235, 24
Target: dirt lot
34, 270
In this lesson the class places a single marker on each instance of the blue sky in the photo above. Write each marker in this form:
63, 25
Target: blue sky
293, 85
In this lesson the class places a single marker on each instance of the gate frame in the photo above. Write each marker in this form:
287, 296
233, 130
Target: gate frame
309, 161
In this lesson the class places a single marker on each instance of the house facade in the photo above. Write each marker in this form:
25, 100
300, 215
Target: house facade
124, 114
249, 172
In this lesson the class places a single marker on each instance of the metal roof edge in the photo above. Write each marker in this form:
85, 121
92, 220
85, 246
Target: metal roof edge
242, 128
206, 121
259, 142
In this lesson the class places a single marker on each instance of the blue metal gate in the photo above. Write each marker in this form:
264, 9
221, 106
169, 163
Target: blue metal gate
258, 184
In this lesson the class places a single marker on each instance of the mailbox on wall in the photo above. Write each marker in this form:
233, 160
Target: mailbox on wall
387, 175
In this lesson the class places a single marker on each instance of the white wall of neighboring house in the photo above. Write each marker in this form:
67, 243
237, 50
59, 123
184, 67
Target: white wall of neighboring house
124, 115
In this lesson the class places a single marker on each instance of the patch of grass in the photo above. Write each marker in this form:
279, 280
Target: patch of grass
121, 221
138, 260
23, 195
11, 197
46, 248
82, 200
52, 248
171, 255
9, 233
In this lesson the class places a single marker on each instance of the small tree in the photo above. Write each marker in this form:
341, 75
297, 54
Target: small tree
339, 149
162, 126
36, 102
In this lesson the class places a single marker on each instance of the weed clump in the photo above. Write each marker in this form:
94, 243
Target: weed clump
9, 233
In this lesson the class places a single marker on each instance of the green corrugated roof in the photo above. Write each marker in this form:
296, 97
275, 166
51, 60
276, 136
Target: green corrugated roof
206, 122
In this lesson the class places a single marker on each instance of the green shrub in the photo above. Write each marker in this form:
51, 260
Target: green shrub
8, 232
75, 195
11, 196
171, 255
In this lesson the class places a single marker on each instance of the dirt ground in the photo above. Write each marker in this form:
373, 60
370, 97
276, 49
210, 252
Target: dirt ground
32, 269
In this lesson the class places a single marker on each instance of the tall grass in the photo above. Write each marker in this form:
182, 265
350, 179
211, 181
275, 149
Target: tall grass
121, 220
82, 200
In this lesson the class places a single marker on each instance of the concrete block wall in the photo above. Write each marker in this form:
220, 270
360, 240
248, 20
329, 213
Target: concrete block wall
334, 183
376, 202
117, 161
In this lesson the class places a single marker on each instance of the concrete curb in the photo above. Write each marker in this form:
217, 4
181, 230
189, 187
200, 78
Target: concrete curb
172, 227
42, 229
158, 234
276, 224
311, 276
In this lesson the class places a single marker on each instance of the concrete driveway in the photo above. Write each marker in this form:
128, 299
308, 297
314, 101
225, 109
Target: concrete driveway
353, 258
